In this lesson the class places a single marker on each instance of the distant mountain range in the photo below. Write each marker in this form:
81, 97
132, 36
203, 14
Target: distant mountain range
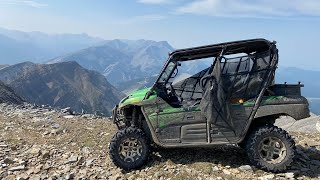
307, 77
122, 60
7, 95
18, 46
62, 85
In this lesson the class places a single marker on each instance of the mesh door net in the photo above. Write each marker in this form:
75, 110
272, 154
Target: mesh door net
232, 78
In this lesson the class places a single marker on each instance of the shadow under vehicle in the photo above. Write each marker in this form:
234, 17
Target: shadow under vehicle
234, 100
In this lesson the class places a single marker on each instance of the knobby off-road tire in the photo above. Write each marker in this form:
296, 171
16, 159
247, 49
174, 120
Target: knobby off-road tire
270, 148
129, 148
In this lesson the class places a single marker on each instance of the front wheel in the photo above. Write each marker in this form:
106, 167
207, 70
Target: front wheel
129, 148
270, 148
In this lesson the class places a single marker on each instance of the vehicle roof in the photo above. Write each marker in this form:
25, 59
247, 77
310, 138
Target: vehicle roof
234, 47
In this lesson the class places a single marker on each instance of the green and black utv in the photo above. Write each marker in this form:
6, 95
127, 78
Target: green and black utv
233, 100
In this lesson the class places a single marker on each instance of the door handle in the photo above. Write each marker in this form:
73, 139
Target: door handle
189, 117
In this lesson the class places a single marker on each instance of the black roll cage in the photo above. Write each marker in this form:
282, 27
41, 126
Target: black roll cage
218, 51
215, 50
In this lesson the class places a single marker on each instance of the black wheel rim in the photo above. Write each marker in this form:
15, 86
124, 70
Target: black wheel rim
272, 150
130, 149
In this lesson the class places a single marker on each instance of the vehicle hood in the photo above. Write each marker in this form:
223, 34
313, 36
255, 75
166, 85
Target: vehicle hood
134, 97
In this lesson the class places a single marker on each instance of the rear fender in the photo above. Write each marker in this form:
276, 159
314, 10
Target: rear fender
296, 111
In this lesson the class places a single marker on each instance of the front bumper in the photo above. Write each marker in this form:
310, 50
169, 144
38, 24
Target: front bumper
114, 114
117, 118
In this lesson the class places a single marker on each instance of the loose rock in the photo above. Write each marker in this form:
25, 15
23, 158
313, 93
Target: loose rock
8, 161
226, 172
78, 149
245, 168
73, 159
17, 168
266, 177
289, 175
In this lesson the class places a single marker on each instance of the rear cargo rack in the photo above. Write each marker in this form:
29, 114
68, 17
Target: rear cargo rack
286, 89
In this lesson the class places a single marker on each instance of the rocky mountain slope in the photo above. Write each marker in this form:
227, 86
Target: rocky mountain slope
18, 46
64, 84
41, 143
122, 60
7, 95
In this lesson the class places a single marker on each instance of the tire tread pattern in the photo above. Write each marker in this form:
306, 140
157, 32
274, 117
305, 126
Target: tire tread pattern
115, 143
252, 148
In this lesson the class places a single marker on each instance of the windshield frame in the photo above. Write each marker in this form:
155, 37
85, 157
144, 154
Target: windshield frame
166, 74
163, 70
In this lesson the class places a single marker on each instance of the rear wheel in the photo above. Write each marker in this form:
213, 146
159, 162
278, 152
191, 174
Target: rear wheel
270, 148
129, 148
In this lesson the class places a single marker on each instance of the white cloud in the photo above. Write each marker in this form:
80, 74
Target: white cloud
252, 8
154, 1
29, 3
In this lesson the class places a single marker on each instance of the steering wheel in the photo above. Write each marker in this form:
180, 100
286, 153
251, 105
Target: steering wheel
172, 93
170, 90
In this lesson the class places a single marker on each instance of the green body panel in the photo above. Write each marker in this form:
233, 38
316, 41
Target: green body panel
150, 110
162, 114
168, 115
265, 101
136, 97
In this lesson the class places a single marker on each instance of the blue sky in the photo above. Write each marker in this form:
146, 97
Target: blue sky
294, 24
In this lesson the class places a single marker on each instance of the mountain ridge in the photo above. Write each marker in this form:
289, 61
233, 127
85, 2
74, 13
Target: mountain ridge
122, 60
7, 95
20, 46
65, 84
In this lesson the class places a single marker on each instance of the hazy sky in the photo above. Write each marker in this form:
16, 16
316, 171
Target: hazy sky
294, 24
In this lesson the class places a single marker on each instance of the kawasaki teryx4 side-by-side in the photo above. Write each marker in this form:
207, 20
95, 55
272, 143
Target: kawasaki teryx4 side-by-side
234, 100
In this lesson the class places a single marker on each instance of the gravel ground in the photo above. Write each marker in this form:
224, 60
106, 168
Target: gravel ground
43, 143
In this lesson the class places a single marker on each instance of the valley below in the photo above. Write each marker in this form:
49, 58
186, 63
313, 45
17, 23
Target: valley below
46, 143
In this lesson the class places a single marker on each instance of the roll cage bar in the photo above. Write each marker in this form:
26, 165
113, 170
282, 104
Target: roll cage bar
215, 50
